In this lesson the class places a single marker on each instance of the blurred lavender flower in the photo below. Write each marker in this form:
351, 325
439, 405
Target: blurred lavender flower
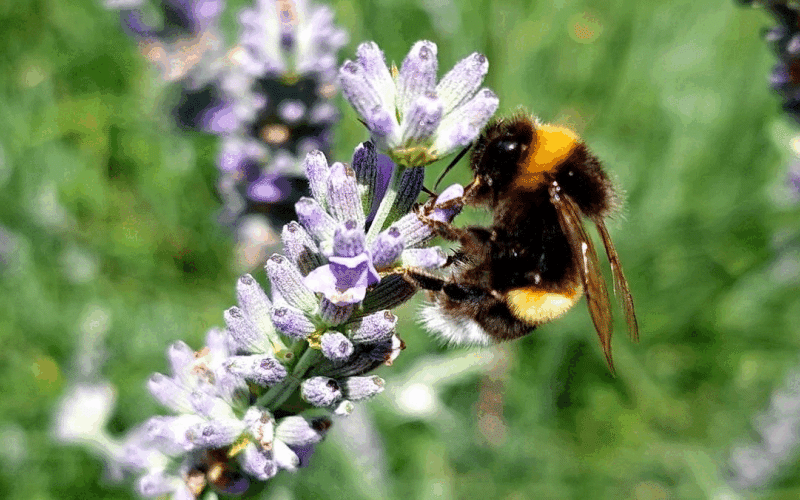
259, 396
410, 116
180, 37
785, 40
278, 107
793, 180
755, 466
268, 98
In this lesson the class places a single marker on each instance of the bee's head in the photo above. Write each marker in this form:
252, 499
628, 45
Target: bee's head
498, 152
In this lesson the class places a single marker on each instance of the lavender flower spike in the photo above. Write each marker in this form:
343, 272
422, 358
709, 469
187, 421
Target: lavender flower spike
256, 399
411, 117
186, 45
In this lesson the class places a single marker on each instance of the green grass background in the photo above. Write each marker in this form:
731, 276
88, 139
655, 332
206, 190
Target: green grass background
112, 215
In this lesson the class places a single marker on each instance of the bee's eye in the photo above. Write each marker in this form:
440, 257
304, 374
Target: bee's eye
507, 146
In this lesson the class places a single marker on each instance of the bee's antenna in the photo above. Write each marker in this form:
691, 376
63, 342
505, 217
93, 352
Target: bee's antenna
452, 164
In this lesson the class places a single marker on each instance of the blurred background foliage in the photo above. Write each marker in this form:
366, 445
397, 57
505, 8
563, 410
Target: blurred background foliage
109, 225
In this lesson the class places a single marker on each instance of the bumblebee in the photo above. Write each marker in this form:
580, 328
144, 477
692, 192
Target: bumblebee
536, 260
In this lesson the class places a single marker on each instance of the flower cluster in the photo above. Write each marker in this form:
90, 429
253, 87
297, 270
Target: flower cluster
278, 92
785, 39
259, 396
754, 466
181, 37
410, 116
268, 97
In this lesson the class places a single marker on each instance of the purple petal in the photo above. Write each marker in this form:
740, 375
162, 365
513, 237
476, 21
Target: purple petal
461, 82
422, 118
462, 125
387, 247
417, 74
348, 240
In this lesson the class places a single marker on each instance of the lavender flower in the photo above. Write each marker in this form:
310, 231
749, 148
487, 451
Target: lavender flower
268, 98
326, 325
277, 106
785, 40
754, 466
410, 116
185, 45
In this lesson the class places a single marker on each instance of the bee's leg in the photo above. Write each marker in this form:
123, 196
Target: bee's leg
466, 236
424, 281
457, 292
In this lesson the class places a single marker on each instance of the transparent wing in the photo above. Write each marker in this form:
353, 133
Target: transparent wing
569, 216
620, 283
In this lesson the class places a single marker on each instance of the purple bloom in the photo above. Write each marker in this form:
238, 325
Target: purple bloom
292, 322
345, 279
376, 327
327, 321
181, 19
785, 40
184, 42
794, 179
321, 391
277, 93
336, 346
414, 119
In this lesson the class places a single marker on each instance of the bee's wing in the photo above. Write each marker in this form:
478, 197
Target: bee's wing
620, 283
569, 216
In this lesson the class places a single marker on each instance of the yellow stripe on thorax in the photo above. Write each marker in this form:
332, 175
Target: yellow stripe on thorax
552, 146
538, 306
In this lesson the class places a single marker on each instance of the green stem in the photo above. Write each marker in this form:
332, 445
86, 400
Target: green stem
385, 208
276, 396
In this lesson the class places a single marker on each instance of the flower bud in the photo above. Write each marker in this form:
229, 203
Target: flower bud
316, 169
288, 282
262, 370
343, 198
336, 346
169, 393
254, 302
387, 248
376, 327
426, 258
243, 332
214, 433
298, 431
180, 357
299, 247
292, 322
320, 391
358, 388
315, 219
257, 463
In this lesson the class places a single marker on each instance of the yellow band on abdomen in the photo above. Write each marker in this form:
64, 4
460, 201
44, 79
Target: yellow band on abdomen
537, 306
